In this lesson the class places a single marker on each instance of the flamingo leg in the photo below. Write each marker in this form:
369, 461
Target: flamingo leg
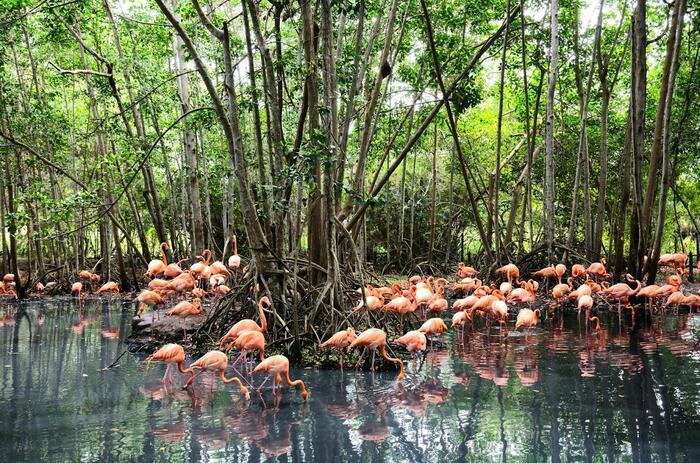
359, 362
165, 376
374, 353
263, 383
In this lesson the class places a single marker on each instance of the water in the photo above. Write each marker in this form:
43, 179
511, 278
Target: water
559, 395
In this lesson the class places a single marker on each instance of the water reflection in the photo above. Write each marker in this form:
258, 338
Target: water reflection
563, 393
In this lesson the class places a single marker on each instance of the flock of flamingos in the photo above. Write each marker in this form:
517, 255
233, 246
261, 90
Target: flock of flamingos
421, 297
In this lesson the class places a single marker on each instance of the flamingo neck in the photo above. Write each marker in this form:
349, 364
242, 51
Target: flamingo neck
296, 382
180, 367
263, 319
394, 360
163, 247
243, 389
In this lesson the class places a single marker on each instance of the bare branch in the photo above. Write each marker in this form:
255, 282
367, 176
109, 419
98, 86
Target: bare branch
79, 71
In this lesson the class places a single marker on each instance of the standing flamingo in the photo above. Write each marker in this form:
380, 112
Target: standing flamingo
527, 318
214, 360
374, 339
157, 266
248, 324
234, 261
276, 366
77, 290
249, 341
148, 298
186, 309
340, 340
110, 288
171, 354
413, 341
622, 291
511, 272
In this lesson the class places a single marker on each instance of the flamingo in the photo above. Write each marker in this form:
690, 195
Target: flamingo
278, 365
171, 354
465, 303
234, 261
340, 340
597, 269
578, 270
182, 283
214, 360
148, 298
648, 292
374, 339
173, 270
186, 309
373, 303
433, 326
464, 271
560, 290
673, 284
222, 290
527, 319
675, 260
622, 291
521, 295
402, 305
218, 268
110, 288
511, 272
157, 266
413, 341
248, 341
200, 269
77, 290
439, 303
248, 324
676, 298
585, 302
583, 290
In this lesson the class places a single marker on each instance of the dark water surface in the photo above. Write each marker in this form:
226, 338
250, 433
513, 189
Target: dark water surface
559, 395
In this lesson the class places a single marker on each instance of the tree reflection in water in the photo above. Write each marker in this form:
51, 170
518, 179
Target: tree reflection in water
563, 393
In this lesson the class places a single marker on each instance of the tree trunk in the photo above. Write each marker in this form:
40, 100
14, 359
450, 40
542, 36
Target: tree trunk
638, 94
621, 216
190, 147
582, 163
549, 133
666, 174
433, 198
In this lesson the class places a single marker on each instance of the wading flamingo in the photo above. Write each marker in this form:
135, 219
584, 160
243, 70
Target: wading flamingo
278, 366
171, 354
214, 360
374, 339
248, 341
340, 340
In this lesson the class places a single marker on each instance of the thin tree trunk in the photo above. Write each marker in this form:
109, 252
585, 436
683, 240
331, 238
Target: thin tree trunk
582, 163
499, 142
549, 133
621, 216
433, 199
657, 142
190, 147
638, 93
383, 70
666, 174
